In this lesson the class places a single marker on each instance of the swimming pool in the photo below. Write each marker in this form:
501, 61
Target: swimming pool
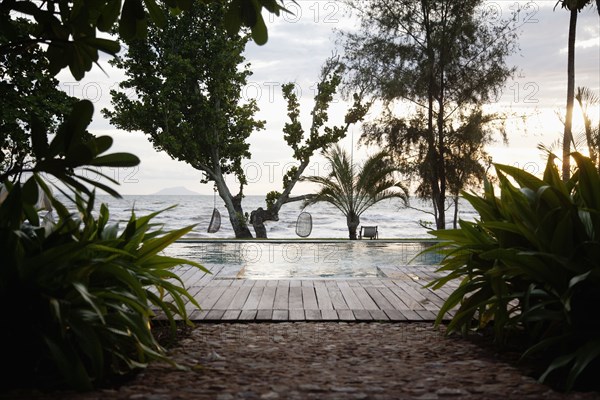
303, 259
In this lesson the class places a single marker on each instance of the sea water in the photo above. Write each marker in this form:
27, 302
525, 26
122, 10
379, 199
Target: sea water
390, 216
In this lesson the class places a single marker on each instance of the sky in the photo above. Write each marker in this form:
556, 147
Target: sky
297, 47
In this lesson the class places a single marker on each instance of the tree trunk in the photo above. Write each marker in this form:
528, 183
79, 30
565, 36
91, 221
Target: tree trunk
437, 196
258, 218
455, 221
568, 135
233, 204
353, 221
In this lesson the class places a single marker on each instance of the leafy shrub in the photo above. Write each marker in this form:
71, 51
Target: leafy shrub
79, 294
532, 264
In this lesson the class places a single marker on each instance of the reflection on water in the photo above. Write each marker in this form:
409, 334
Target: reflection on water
285, 260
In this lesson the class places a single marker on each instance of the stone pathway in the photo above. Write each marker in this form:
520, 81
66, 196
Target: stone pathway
326, 360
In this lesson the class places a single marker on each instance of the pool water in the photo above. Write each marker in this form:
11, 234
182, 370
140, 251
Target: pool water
297, 260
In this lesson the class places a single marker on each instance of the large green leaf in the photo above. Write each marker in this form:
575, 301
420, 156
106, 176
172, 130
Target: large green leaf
121, 160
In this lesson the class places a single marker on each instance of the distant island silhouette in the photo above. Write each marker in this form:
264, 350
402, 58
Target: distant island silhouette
177, 190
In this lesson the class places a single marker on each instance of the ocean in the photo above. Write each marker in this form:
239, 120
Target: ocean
392, 219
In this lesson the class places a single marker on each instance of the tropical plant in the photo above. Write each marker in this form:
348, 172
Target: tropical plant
589, 101
352, 189
83, 292
531, 264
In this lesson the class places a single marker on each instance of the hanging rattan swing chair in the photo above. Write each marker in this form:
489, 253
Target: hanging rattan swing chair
215, 219
304, 224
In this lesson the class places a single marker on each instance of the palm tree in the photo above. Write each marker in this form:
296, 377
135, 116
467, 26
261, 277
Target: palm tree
352, 189
588, 99
574, 7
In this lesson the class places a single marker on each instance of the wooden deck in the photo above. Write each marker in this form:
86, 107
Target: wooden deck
399, 296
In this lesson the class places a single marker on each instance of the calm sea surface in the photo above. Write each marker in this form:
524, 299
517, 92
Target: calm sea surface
392, 220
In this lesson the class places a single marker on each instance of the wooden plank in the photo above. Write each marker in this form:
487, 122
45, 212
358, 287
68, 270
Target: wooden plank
198, 315
309, 299
362, 315
295, 283
427, 315
411, 303
337, 299
209, 277
226, 298
208, 296
280, 315
253, 298
281, 296
411, 315
323, 298
272, 282
186, 273
380, 300
267, 299
247, 315
329, 315
417, 296
332, 283
351, 299
189, 306
240, 298
295, 298
231, 315
395, 301
296, 315
364, 298
379, 315
237, 282
395, 315
313, 315
195, 278
264, 315
346, 315
214, 315
260, 283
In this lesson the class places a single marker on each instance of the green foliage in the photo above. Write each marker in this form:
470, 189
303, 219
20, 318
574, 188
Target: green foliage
532, 263
30, 96
352, 189
73, 147
271, 198
70, 29
81, 291
189, 96
319, 135
447, 59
